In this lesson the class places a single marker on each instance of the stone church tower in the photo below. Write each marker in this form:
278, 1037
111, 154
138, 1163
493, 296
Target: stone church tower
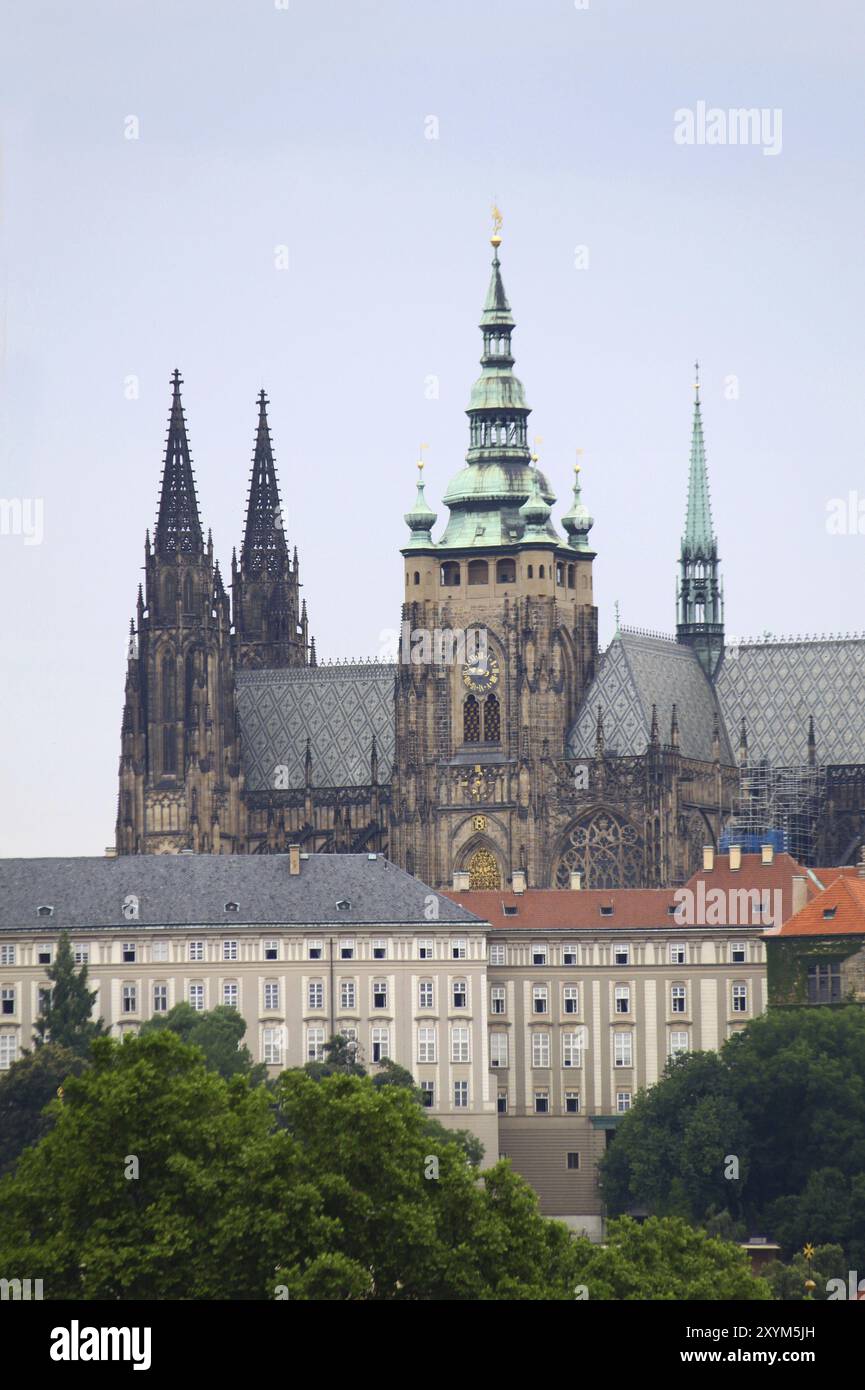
180, 776
474, 785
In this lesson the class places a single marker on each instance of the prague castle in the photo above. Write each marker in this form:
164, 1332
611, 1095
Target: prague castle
543, 759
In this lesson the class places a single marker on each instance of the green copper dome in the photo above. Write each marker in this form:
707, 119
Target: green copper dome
421, 519
576, 520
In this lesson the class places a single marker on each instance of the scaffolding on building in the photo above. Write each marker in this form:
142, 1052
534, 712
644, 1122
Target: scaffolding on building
778, 806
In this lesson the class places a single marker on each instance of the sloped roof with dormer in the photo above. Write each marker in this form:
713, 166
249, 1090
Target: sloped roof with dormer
776, 686
338, 708
639, 671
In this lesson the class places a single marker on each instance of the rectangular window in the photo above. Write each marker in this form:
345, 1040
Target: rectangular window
540, 1049
678, 952
196, 996
542, 1102
677, 999
458, 950
7, 955
426, 995
379, 994
315, 1044
497, 999
195, 950
497, 954
315, 994
621, 955
539, 999
460, 994
502, 1103
130, 999
271, 994
7, 999
347, 994
346, 949
623, 999
158, 951
128, 953
272, 1046
678, 1043
539, 953
313, 950
229, 995
569, 955
425, 950
426, 1044
572, 1102
573, 1161
623, 1054
498, 1049
8, 1050
571, 999
43, 997
380, 1044
379, 949
229, 950
737, 953
623, 1101
160, 999
428, 1094
572, 1049
459, 1044
740, 999
271, 950
461, 1095
824, 982
43, 955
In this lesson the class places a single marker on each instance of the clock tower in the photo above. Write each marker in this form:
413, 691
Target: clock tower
499, 644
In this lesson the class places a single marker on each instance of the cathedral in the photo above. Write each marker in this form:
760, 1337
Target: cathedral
542, 756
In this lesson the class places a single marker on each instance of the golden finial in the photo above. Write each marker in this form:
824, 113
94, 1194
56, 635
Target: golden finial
495, 239
538, 439
697, 374
578, 465
420, 462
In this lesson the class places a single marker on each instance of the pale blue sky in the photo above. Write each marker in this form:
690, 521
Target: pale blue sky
305, 127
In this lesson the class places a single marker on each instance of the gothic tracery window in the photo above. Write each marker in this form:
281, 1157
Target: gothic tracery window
168, 687
471, 720
605, 849
492, 720
484, 870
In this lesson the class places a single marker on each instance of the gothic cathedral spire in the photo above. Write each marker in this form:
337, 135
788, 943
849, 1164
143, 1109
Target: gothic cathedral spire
266, 585
700, 617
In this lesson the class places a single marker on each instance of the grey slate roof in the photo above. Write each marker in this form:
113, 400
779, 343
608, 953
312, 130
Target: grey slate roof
777, 685
192, 890
638, 671
338, 708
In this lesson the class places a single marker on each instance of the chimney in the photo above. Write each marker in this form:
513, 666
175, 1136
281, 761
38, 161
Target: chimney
294, 859
735, 858
576, 880
860, 867
462, 880
708, 858
767, 854
799, 884
518, 880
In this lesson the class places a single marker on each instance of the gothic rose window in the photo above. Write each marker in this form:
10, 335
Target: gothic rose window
606, 850
484, 870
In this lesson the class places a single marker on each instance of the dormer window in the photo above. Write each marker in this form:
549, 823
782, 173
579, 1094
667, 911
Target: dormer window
231, 907
45, 911
344, 905
607, 910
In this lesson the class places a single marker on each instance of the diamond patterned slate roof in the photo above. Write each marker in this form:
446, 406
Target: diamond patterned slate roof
338, 708
777, 686
636, 672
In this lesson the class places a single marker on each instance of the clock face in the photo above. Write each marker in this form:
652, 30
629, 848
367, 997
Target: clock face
482, 675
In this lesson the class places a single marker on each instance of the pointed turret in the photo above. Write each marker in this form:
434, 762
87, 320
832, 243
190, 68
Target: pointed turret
421, 519
577, 522
265, 583
178, 528
700, 619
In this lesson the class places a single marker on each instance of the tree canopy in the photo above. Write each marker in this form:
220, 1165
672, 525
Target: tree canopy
67, 1020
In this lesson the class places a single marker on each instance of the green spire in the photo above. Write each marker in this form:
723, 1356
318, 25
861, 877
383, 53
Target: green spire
486, 498
535, 512
576, 520
421, 519
699, 539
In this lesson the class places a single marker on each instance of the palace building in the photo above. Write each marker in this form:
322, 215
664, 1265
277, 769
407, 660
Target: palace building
544, 758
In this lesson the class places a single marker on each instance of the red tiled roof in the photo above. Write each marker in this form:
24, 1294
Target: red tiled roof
561, 909
844, 900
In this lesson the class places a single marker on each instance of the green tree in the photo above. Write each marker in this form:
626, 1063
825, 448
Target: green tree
218, 1032
665, 1259
25, 1090
787, 1281
67, 1021
340, 1058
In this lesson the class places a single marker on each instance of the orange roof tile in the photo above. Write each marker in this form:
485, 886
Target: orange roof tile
844, 900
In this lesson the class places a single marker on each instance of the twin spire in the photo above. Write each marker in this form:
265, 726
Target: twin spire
264, 547
178, 528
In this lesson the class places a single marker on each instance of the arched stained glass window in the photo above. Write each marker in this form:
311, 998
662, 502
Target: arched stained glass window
605, 849
492, 720
471, 720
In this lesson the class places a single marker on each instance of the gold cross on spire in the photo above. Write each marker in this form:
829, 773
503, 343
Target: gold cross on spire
496, 238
